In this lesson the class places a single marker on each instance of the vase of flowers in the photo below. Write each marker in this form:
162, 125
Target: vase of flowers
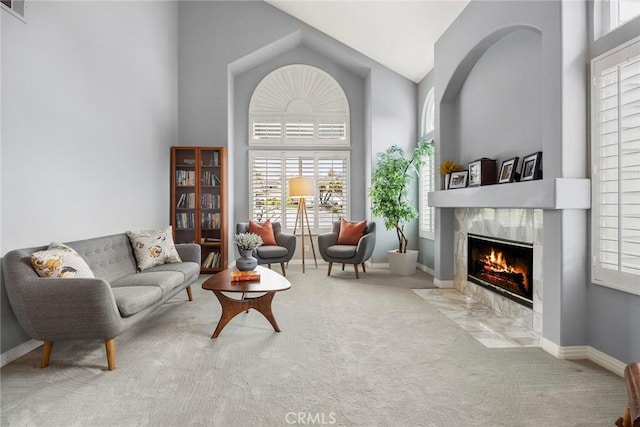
247, 243
445, 170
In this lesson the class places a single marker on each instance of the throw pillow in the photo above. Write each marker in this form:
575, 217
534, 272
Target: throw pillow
350, 233
265, 231
153, 247
60, 261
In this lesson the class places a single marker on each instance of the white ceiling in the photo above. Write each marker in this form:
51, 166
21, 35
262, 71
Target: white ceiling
398, 34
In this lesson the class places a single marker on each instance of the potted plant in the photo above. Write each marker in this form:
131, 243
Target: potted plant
389, 184
246, 243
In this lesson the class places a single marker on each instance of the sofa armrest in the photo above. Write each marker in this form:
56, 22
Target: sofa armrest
65, 309
189, 252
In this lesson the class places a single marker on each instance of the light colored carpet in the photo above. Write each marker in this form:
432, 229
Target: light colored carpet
366, 352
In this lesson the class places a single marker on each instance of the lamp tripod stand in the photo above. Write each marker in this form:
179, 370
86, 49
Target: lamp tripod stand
301, 215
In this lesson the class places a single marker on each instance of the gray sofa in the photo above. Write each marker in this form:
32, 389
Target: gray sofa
79, 308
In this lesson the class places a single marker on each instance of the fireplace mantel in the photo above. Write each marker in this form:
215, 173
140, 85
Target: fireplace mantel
558, 193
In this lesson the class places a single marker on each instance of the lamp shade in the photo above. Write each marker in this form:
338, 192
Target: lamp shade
302, 187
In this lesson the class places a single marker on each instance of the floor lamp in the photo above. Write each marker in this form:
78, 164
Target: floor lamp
299, 188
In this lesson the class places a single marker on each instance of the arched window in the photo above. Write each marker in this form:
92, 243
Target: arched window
427, 172
299, 105
293, 108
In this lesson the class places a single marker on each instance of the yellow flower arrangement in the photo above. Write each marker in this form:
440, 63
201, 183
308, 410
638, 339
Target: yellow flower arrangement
448, 166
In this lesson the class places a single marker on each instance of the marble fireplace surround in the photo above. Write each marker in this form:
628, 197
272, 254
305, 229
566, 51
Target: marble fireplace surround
515, 211
521, 225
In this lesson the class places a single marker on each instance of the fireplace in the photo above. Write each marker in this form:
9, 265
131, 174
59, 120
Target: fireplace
503, 266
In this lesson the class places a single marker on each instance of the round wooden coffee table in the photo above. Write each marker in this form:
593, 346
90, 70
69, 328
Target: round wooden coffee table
270, 282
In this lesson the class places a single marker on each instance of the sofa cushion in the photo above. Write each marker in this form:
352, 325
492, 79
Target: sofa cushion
132, 299
167, 281
190, 270
268, 252
341, 251
153, 247
351, 233
60, 261
265, 231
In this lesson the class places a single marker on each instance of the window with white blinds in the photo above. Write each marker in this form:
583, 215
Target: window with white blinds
615, 157
269, 172
427, 171
299, 105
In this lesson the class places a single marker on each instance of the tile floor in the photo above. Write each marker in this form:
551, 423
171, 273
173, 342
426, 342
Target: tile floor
482, 322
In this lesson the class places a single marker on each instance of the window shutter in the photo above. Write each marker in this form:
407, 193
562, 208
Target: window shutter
616, 169
266, 187
333, 190
270, 171
427, 213
269, 130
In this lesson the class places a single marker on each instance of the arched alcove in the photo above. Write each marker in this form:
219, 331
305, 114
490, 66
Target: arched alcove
492, 106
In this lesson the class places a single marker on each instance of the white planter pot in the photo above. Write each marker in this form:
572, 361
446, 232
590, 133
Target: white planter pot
403, 264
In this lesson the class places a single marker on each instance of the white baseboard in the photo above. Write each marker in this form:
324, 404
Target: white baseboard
584, 352
19, 351
425, 269
448, 284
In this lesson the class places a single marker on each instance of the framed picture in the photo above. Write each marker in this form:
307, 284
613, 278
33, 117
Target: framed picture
474, 173
482, 172
458, 179
508, 170
532, 166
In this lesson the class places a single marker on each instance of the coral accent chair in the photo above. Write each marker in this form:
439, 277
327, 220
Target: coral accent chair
280, 253
331, 251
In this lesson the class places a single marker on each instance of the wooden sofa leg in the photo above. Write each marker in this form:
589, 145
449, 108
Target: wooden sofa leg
284, 273
110, 346
343, 266
329, 272
364, 269
46, 353
355, 267
189, 294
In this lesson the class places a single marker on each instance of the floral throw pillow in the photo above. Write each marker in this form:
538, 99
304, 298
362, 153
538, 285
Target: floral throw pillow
153, 247
60, 261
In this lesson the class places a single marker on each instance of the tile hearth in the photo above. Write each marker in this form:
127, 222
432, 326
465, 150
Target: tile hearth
488, 326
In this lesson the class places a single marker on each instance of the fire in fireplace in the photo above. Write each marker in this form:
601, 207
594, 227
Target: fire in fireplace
502, 266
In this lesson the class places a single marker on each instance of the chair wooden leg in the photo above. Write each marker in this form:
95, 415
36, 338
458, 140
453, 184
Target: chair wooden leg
343, 266
110, 346
46, 353
355, 267
269, 266
189, 294
364, 269
284, 273
329, 272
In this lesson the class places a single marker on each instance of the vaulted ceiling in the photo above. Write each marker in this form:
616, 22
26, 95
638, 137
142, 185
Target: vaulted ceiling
398, 34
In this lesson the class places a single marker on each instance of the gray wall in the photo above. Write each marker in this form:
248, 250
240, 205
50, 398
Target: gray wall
426, 257
220, 41
89, 111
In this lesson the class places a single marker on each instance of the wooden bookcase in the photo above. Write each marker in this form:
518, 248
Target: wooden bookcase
199, 202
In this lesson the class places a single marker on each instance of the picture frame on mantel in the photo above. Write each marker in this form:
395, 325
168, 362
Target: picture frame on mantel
482, 172
508, 170
458, 179
532, 166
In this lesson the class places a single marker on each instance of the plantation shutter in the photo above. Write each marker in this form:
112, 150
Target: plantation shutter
299, 166
270, 170
333, 189
616, 169
266, 187
427, 214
